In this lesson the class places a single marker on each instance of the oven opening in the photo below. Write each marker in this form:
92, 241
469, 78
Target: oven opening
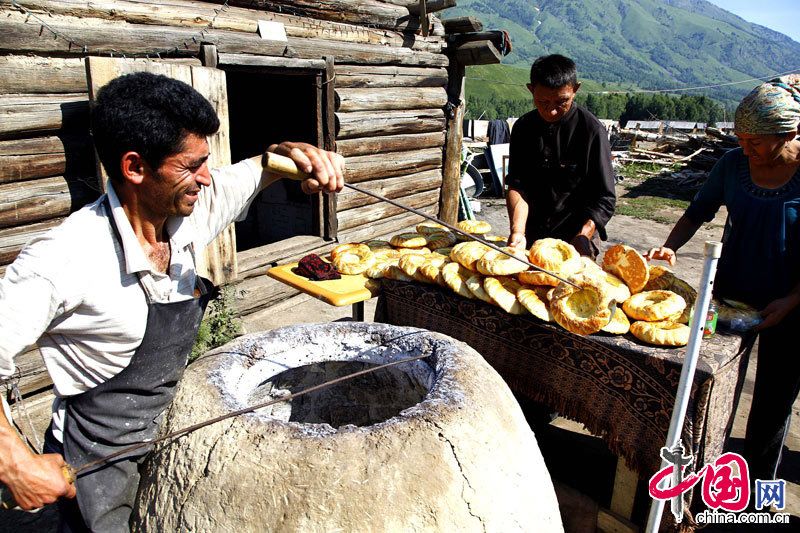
267, 107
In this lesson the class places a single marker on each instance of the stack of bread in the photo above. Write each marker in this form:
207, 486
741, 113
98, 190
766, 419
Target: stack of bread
622, 295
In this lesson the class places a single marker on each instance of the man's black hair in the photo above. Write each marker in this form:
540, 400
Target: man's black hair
149, 114
554, 71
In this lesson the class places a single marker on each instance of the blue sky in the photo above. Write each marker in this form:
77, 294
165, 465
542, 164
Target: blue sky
778, 15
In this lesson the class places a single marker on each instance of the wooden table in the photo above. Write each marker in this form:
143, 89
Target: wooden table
621, 389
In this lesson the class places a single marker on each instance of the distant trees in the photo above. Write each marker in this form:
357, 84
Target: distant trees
622, 107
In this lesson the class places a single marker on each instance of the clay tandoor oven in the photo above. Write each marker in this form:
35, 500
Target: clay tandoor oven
435, 444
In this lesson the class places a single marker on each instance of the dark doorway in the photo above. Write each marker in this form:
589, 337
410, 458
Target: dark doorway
267, 107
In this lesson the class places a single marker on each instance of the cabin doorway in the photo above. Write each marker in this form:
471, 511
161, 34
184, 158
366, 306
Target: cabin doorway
267, 106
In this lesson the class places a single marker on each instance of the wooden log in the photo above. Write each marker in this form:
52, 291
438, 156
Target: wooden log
259, 292
451, 182
386, 227
328, 134
12, 240
367, 123
389, 143
462, 25
478, 53
33, 374
31, 201
41, 157
379, 211
431, 6
349, 76
367, 54
363, 12
366, 167
32, 75
348, 100
25, 74
200, 15
394, 187
24, 116
247, 60
112, 37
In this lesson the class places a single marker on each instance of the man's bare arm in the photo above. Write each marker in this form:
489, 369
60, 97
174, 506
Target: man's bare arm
517, 207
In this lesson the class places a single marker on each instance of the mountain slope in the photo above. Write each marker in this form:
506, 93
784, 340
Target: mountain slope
655, 44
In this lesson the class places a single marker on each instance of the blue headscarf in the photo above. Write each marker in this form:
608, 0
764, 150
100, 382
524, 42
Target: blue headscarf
772, 108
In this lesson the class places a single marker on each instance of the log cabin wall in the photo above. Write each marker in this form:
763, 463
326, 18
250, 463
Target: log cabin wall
387, 69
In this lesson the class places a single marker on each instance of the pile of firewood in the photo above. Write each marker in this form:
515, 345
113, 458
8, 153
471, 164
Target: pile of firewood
686, 157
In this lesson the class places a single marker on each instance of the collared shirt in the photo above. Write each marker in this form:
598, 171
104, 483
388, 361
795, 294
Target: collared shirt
75, 290
563, 170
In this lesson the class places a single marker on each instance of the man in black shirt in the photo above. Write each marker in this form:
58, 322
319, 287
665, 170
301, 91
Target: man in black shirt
560, 181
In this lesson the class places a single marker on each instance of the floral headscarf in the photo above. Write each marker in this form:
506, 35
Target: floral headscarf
771, 108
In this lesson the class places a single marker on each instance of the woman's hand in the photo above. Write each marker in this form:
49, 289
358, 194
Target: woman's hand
663, 253
326, 168
777, 310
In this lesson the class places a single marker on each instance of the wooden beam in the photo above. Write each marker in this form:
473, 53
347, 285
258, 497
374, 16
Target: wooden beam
395, 187
422, 13
209, 55
348, 100
363, 168
462, 25
41, 157
349, 76
431, 6
477, 53
451, 183
29, 115
31, 74
367, 123
331, 221
371, 214
26, 74
247, 60
32, 201
259, 292
362, 12
199, 15
387, 226
624, 493
12, 240
389, 143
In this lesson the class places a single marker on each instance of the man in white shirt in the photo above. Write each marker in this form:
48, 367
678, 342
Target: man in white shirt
112, 297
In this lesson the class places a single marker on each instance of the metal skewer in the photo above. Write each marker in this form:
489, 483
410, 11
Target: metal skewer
286, 167
71, 472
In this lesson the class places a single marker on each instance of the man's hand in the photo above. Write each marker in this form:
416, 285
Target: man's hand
517, 240
583, 244
777, 310
35, 480
327, 168
663, 253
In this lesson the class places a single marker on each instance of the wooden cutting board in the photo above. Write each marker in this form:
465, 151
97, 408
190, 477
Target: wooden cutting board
339, 292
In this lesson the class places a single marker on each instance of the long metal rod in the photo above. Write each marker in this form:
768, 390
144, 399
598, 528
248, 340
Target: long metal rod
285, 166
71, 472
232, 414
713, 250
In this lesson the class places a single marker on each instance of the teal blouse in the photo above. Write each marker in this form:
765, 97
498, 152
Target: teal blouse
760, 259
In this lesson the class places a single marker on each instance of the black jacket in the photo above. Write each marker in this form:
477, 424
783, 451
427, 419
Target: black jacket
563, 170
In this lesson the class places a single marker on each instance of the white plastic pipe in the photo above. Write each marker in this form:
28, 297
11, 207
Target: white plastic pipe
713, 250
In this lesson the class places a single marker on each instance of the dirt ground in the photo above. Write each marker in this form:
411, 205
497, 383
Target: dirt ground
641, 234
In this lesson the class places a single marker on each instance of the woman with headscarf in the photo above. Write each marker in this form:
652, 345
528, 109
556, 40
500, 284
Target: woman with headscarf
759, 184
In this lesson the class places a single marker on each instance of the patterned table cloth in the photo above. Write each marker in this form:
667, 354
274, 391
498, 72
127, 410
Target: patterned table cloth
621, 389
